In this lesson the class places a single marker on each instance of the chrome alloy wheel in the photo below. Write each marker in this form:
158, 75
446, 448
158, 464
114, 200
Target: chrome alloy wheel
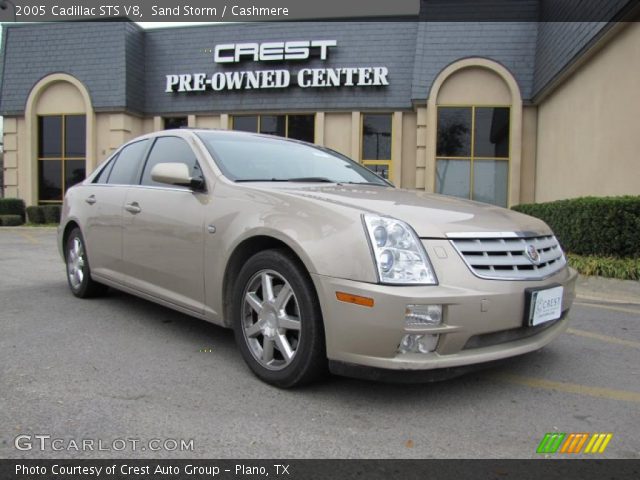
271, 319
75, 263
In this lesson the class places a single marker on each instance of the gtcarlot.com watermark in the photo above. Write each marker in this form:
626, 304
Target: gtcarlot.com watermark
42, 443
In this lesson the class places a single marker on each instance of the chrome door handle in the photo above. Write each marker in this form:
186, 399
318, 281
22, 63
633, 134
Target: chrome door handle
91, 199
133, 207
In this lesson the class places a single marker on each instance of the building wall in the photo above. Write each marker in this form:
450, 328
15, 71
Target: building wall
474, 85
11, 156
208, 121
114, 129
588, 137
409, 139
529, 144
337, 132
565, 30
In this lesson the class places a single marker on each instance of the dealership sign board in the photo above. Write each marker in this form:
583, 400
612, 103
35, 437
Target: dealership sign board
232, 53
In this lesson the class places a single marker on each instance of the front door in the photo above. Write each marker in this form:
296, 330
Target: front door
163, 231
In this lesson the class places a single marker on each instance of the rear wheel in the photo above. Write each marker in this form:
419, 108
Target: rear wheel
78, 271
277, 320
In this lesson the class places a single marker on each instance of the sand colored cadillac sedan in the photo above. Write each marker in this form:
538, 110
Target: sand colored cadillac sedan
315, 262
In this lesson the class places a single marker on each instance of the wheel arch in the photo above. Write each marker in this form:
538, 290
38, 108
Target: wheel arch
68, 228
241, 253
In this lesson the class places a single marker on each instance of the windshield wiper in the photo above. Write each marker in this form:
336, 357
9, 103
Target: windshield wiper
261, 180
367, 183
311, 179
301, 179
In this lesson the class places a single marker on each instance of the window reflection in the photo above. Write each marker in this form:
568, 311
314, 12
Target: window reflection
376, 137
298, 127
473, 153
175, 122
61, 155
492, 132
454, 132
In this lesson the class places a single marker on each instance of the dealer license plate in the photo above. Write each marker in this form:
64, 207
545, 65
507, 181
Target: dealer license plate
545, 305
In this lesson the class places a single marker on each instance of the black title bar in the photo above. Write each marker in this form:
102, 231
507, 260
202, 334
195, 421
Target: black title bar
319, 469
326, 10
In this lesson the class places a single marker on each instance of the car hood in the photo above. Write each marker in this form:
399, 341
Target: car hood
431, 215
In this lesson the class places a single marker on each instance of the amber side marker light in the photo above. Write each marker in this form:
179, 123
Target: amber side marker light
357, 299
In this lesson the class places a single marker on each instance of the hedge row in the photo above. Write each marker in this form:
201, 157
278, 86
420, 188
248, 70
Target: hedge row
13, 212
11, 220
610, 267
601, 226
44, 214
12, 206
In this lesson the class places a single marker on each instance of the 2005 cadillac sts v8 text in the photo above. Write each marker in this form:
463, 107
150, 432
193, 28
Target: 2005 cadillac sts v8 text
314, 261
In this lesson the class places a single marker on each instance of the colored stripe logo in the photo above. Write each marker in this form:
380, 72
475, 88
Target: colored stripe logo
574, 443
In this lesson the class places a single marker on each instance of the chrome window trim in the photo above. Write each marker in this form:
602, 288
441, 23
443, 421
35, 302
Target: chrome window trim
149, 187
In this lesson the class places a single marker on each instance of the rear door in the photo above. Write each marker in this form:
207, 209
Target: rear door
163, 230
105, 199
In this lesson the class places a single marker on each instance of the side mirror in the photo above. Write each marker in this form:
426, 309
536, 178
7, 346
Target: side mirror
176, 174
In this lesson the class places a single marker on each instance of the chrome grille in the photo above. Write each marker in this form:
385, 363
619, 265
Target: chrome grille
505, 258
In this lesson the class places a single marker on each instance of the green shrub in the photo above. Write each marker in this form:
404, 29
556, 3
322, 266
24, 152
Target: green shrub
35, 215
12, 206
602, 226
11, 220
621, 268
51, 213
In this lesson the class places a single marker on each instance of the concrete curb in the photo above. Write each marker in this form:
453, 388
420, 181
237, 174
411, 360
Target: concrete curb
609, 290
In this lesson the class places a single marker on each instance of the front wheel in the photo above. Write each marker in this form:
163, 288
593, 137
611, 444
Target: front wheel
277, 320
78, 271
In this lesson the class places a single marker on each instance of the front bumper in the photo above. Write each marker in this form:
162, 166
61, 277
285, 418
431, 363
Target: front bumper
483, 321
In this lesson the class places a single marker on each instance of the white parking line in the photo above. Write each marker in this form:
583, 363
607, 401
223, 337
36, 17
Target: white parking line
565, 387
603, 338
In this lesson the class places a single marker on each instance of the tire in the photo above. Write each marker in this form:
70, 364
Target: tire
280, 335
78, 271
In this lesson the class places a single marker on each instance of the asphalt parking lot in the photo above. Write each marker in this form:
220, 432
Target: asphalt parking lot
122, 368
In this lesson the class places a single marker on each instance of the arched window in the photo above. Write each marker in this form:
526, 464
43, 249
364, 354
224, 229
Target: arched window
60, 115
474, 125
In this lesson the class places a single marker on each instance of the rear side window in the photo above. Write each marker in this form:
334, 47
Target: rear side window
103, 176
170, 150
127, 165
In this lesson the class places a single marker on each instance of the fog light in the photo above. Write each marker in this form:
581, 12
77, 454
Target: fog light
407, 344
423, 315
412, 343
427, 343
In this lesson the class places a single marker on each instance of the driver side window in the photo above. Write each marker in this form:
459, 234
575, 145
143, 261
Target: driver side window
170, 150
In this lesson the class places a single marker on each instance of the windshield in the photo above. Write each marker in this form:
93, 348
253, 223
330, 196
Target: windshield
246, 158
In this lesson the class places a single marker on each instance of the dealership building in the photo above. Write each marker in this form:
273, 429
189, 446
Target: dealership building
504, 112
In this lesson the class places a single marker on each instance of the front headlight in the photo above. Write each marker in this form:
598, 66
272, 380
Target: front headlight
398, 253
